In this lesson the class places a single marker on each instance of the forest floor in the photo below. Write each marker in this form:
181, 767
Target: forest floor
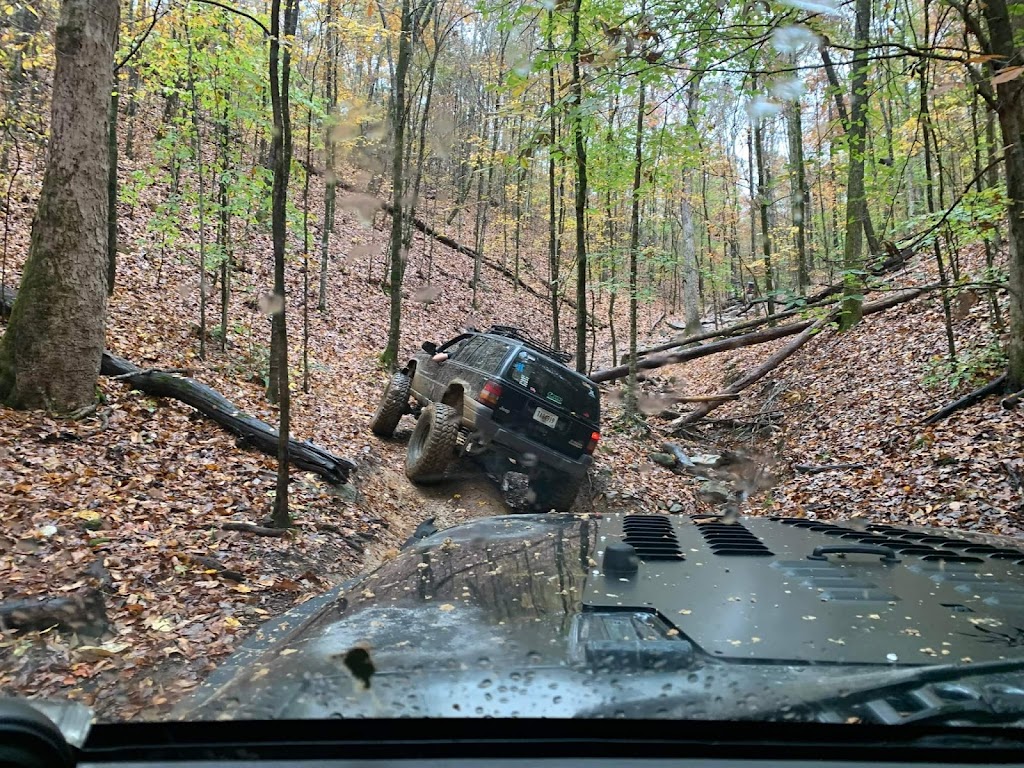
131, 500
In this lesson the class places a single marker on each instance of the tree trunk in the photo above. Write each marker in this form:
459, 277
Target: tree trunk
1010, 106
553, 254
112, 190
581, 192
281, 152
763, 204
798, 193
691, 274
844, 119
331, 173
856, 202
398, 120
634, 254
50, 354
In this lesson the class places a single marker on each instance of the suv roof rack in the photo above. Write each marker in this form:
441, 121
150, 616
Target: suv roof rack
510, 331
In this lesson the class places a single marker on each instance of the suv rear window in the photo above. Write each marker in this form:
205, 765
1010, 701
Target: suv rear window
484, 354
555, 385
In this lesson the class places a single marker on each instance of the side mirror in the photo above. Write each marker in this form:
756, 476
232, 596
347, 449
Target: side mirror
429, 347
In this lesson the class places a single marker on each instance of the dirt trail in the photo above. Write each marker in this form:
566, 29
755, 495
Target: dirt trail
465, 494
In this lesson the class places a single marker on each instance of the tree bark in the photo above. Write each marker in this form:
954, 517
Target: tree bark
50, 353
798, 193
399, 109
856, 202
581, 191
281, 152
691, 273
634, 255
844, 119
553, 255
763, 204
1010, 107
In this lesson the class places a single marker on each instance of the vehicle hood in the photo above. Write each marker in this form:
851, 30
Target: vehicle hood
531, 616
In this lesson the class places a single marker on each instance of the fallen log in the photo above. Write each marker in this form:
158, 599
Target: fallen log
895, 260
465, 250
997, 385
762, 370
211, 403
1012, 401
258, 530
811, 469
746, 340
731, 330
84, 613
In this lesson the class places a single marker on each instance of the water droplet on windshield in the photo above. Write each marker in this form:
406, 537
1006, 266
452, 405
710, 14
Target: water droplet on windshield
788, 90
758, 108
827, 7
485, 683
793, 39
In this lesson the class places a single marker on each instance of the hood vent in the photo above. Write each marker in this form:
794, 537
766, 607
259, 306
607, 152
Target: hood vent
652, 537
730, 538
903, 542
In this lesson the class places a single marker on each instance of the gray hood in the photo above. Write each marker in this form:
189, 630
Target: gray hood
526, 616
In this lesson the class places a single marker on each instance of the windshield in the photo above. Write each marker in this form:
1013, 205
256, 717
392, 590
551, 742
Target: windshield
729, 423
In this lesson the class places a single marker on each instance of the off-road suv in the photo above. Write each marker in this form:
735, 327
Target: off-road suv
503, 397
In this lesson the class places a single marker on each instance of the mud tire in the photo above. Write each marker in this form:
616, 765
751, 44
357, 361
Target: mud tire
393, 404
432, 445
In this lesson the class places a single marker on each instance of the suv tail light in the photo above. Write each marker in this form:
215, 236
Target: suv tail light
592, 443
490, 393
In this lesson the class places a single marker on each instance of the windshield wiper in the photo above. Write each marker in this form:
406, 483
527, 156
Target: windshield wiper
869, 696
855, 697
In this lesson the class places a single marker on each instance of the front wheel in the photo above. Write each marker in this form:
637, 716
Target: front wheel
432, 444
393, 404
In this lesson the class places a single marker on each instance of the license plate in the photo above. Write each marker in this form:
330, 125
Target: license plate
546, 418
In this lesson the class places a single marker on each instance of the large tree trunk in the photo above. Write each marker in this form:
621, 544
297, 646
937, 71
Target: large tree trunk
634, 254
575, 44
1010, 95
856, 202
798, 193
50, 354
399, 109
553, 255
691, 274
844, 119
281, 152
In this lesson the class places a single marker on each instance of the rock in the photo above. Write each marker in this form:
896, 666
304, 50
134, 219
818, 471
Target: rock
664, 459
677, 452
715, 492
708, 460
675, 508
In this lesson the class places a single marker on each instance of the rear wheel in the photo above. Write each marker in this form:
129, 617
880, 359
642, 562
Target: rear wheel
557, 494
432, 444
393, 404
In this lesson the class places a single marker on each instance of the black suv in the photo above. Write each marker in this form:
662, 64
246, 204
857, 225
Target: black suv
516, 404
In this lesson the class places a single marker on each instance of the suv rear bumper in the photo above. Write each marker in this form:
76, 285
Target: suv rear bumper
520, 446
